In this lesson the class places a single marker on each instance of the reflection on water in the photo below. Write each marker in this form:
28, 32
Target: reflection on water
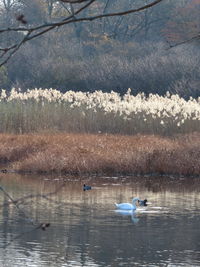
86, 229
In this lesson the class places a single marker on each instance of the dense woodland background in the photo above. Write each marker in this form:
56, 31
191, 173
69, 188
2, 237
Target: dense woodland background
139, 50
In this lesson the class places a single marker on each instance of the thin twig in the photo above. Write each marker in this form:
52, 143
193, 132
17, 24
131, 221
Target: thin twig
50, 26
37, 225
16, 202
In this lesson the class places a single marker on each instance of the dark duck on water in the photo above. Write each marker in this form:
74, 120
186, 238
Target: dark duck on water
86, 187
142, 202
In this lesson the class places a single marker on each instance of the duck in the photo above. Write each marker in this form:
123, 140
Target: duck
86, 187
128, 206
143, 202
43, 226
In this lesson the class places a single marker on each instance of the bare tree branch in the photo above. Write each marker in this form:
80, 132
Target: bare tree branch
74, 1
26, 38
14, 49
37, 225
194, 38
34, 32
16, 202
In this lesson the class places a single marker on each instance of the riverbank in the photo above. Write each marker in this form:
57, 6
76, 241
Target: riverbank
100, 154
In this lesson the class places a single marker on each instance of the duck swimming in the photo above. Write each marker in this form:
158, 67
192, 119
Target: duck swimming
86, 187
128, 206
143, 202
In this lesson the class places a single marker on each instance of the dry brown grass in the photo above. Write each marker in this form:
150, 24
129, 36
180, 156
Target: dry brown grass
101, 154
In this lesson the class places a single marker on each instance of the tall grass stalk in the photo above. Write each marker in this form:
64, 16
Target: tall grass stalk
41, 110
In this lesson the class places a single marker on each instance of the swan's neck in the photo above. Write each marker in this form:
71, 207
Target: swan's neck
134, 201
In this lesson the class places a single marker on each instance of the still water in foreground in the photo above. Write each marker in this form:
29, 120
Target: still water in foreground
86, 230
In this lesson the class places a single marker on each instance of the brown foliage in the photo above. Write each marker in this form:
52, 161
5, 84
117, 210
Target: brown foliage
101, 154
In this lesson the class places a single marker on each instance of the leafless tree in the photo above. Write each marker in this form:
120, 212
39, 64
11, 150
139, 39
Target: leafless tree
76, 13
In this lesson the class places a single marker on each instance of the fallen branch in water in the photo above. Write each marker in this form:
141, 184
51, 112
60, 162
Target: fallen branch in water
37, 225
42, 226
18, 201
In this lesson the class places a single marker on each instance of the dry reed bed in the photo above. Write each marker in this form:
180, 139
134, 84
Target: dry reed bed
83, 112
101, 154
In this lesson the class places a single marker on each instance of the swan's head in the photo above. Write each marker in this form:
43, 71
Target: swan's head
135, 199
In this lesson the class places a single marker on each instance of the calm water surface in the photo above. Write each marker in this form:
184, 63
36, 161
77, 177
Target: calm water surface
86, 230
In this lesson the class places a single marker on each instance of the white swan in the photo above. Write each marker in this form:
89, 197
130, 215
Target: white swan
128, 206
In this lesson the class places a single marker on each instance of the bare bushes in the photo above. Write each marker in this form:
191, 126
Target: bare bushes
102, 154
157, 71
111, 65
15, 147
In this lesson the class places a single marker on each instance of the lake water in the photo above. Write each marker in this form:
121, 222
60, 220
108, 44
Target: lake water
86, 230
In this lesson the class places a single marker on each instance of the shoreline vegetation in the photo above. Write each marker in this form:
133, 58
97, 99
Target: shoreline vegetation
47, 131
49, 110
100, 154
